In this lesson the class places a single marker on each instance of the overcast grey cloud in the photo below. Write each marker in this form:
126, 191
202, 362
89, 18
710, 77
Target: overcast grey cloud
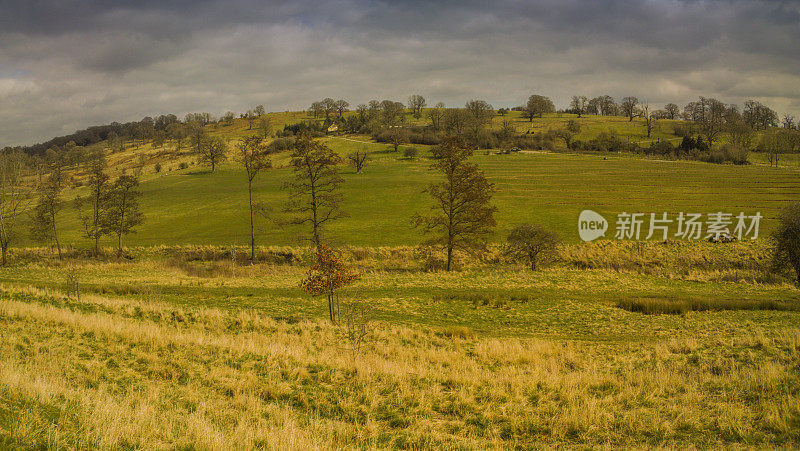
65, 65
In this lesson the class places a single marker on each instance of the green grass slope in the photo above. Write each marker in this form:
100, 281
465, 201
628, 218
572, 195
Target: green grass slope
193, 206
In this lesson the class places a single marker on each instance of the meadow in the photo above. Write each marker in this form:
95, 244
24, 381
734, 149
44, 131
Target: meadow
184, 342
550, 188
192, 347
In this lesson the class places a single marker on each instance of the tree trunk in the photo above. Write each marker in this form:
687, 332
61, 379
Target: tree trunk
119, 245
55, 235
5, 253
331, 311
252, 222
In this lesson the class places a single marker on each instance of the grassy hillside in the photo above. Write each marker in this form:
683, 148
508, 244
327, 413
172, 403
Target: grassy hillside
614, 344
194, 206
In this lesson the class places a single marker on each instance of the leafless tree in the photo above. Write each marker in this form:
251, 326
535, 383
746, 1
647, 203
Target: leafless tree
252, 154
671, 110
44, 224
649, 118
416, 102
531, 243
358, 159
15, 197
628, 106
212, 150
122, 213
314, 196
94, 227
578, 104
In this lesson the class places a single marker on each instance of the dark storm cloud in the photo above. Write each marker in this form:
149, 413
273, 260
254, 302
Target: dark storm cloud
68, 64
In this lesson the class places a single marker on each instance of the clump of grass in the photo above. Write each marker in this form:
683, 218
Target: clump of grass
462, 332
483, 300
658, 306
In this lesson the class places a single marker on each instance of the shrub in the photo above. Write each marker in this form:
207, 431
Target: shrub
410, 153
157, 168
573, 126
183, 165
281, 144
662, 148
727, 153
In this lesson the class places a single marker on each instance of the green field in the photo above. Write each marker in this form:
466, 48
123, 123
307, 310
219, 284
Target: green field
185, 342
194, 206
170, 351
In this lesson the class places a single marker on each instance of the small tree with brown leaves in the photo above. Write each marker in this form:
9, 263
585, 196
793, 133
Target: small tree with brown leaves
314, 196
328, 274
463, 215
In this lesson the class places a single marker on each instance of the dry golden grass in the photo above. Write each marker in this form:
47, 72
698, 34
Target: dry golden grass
111, 372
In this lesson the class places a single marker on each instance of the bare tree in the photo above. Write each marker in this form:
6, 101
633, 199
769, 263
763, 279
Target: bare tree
463, 216
672, 111
363, 113
358, 159
392, 113
416, 102
436, 114
628, 106
480, 114
122, 211
455, 121
341, 107
711, 118
578, 104
650, 118
94, 226
788, 121
740, 134
759, 116
177, 132
397, 137
213, 151
252, 154
531, 243
314, 196
264, 127
14, 197
44, 221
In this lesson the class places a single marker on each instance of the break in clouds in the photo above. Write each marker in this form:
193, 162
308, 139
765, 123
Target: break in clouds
65, 65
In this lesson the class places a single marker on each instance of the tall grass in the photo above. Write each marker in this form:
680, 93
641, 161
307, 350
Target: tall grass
114, 373
654, 306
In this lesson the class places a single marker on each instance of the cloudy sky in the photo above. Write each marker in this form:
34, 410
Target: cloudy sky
67, 64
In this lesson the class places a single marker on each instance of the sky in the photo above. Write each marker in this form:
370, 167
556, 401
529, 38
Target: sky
67, 64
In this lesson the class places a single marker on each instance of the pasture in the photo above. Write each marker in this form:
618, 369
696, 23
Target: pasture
186, 343
194, 206
192, 347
